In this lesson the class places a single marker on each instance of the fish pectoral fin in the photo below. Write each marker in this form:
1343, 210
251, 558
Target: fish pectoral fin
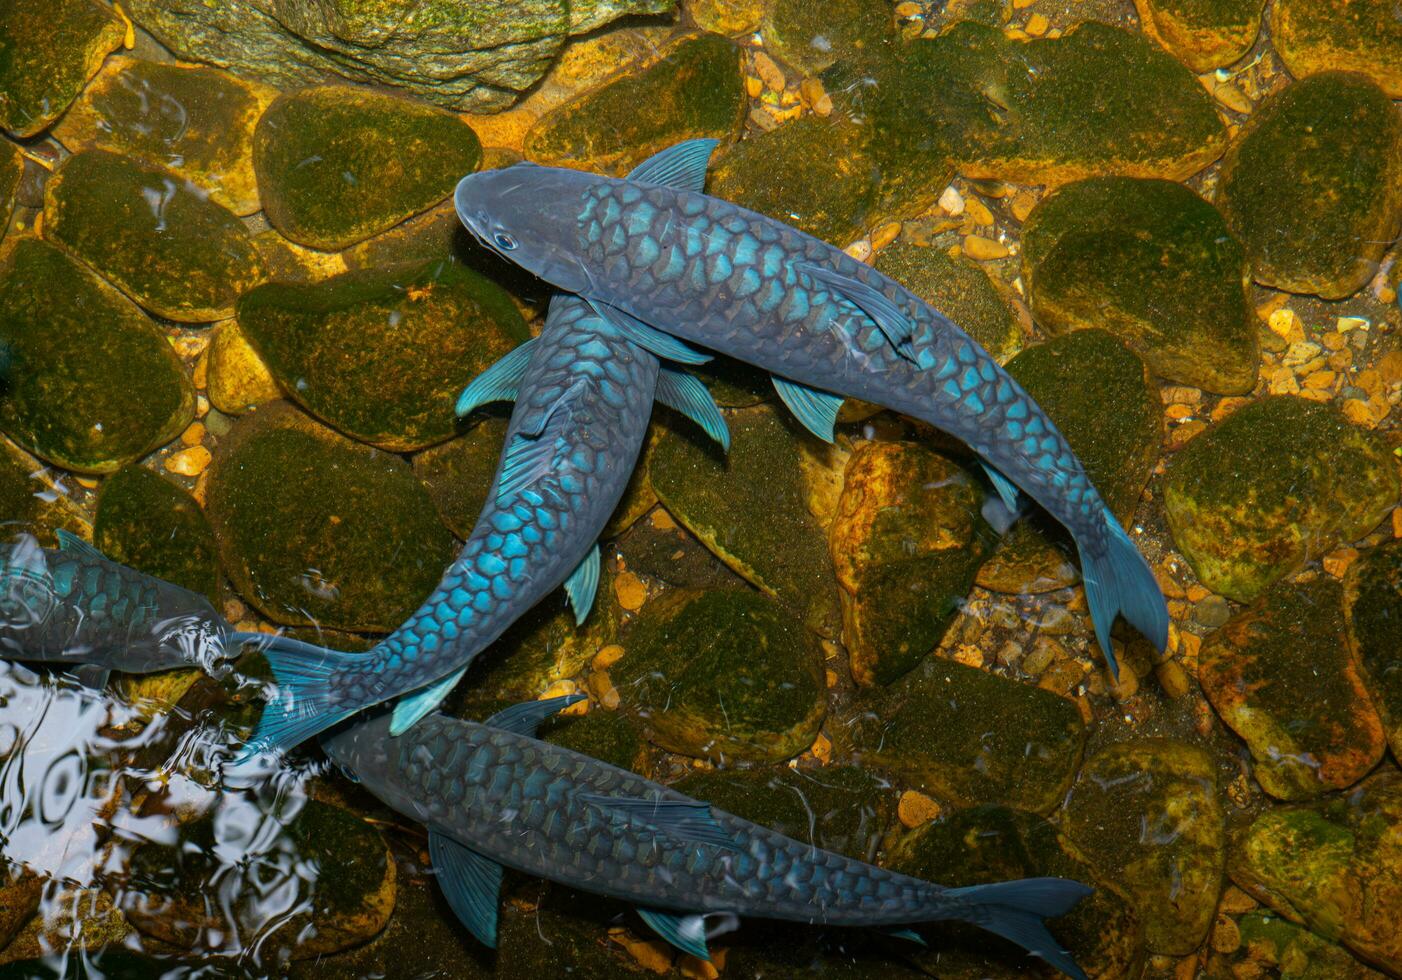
687, 932
471, 883
682, 165
909, 935
646, 336
525, 718
499, 383
688, 820
817, 410
685, 393
871, 301
582, 584
92, 676
1007, 490
414, 706
74, 545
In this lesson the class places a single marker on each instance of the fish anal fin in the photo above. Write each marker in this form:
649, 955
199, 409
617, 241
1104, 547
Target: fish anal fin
685, 931
471, 883
817, 410
686, 394
582, 584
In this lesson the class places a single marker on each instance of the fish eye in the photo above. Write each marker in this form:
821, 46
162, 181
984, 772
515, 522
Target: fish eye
504, 240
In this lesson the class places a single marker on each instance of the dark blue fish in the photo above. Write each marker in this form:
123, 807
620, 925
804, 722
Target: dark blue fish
493, 795
662, 261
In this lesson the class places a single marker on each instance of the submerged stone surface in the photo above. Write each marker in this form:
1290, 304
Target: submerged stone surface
237, 379
11, 170
812, 37
48, 51
1277, 484
1203, 34
1373, 608
1313, 187
382, 354
93, 384
458, 473
156, 236
147, 522
20, 892
316, 529
337, 164
1273, 941
958, 288
609, 736
1313, 36
1154, 264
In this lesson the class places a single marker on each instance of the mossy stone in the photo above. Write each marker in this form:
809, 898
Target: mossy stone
316, 529
11, 170
694, 89
958, 288
1281, 946
337, 164
1275, 485
965, 735
195, 121
1281, 675
93, 383
29, 502
1373, 609
906, 541
1155, 265
458, 473
1313, 186
666, 551
564, 933
382, 354
812, 37
727, 674
147, 522
1099, 395
237, 380
605, 735
48, 51
1203, 34
1313, 36
1147, 815
20, 891
156, 236
1335, 866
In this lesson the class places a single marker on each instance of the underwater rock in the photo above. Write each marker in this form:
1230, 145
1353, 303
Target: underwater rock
1282, 677
906, 542
1203, 36
749, 507
34, 500
316, 529
1286, 950
148, 522
1146, 813
694, 89
606, 735
197, 122
812, 37
727, 674
458, 473
238, 380
337, 164
1275, 485
382, 354
11, 170
557, 932
51, 48
1099, 395
156, 236
972, 737
662, 549
1152, 263
1373, 610
20, 891
1333, 866
93, 384
729, 17
1313, 186
1313, 36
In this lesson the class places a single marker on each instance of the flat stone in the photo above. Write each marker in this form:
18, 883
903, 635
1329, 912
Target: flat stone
1313, 186
48, 51
1281, 675
1373, 608
1155, 265
238, 380
337, 164
458, 473
960, 289
1146, 813
1275, 485
93, 382
673, 555
1202, 35
812, 37
1273, 941
151, 524
1313, 36
156, 236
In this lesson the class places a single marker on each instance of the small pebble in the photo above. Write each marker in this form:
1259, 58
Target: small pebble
1023, 204
1037, 25
769, 72
885, 235
607, 657
1172, 678
188, 462
984, 249
1232, 97
952, 201
193, 434
977, 210
915, 809
630, 591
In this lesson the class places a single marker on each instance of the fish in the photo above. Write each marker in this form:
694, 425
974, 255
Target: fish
583, 398
668, 264
493, 795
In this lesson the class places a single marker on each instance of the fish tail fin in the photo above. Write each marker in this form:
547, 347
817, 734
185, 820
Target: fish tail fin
304, 704
1015, 910
1119, 582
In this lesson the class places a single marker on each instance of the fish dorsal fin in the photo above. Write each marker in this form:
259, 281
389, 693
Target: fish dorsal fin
76, 546
525, 718
688, 820
471, 883
817, 410
873, 302
685, 931
648, 337
686, 394
682, 165
412, 707
499, 383
582, 584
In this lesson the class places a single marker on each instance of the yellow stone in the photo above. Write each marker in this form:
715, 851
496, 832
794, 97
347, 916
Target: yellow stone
193, 434
188, 462
979, 212
916, 808
885, 235
1037, 25
630, 591
238, 378
984, 249
607, 657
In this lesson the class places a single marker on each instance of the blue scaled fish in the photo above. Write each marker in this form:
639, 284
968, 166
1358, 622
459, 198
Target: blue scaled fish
584, 395
493, 795
665, 263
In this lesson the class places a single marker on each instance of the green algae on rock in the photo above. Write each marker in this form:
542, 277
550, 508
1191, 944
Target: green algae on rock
195, 121
147, 522
906, 541
1373, 609
48, 51
458, 473
812, 36
667, 552
605, 735
694, 89
93, 383
1313, 186
316, 529
1313, 36
382, 354
1275, 485
1281, 946
1281, 675
727, 674
338, 164
238, 380
20, 891
1203, 34
1334, 866
11, 170
1146, 813
35, 501
156, 236
1154, 264
960, 289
